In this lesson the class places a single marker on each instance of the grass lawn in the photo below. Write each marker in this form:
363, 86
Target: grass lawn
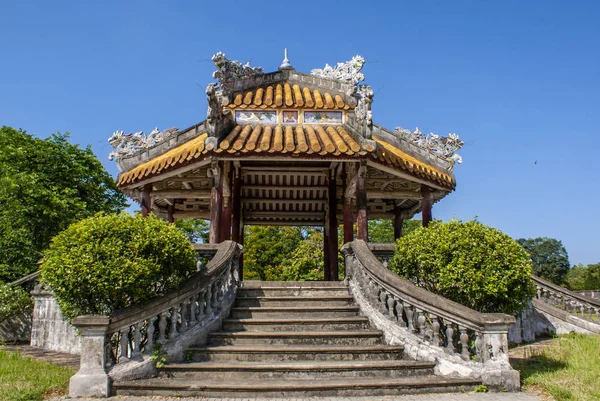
25, 379
567, 369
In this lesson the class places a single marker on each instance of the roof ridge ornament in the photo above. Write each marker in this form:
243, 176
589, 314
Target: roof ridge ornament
347, 72
441, 146
229, 70
285, 64
126, 145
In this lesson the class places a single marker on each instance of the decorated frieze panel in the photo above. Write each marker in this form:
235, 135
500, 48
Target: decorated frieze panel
255, 117
290, 117
323, 117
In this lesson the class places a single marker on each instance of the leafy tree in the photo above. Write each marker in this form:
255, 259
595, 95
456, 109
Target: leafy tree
108, 262
195, 229
45, 184
469, 263
592, 277
266, 247
306, 262
383, 230
575, 277
549, 257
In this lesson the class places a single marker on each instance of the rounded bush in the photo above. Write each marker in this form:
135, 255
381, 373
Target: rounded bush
469, 263
109, 262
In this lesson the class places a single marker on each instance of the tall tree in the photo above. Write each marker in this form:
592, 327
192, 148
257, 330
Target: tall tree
549, 256
195, 229
45, 185
383, 230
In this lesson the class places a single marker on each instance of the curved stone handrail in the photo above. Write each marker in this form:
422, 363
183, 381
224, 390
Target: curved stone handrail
119, 346
431, 327
586, 308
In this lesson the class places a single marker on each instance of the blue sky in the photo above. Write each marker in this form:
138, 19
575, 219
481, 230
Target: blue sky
518, 81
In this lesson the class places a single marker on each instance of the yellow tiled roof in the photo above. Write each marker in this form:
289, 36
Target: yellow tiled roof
305, 140
395, 157
286, 95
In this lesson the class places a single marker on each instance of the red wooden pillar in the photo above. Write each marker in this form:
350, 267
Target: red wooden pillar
348, 221
170, 213
236, 205
227, 201
362, 231
326, 251
216, 204
398, 222
145, 201
333, 227
241, 242
426, 205
348, 217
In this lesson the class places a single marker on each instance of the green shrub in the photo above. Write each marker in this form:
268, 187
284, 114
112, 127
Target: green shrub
14, 300
109, 262
469, 263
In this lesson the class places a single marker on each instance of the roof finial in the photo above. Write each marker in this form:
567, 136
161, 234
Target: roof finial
285, 65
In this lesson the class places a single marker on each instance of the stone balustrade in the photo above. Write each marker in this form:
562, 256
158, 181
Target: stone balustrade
431, 327
120, 346
584, 307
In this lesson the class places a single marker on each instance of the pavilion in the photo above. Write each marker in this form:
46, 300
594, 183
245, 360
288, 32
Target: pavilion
287, 148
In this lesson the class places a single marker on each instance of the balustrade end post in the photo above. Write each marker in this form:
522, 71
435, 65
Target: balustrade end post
91, 380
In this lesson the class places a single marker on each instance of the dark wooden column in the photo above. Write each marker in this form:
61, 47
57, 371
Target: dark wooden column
236, 205
362, 231
326, 251
333, 227
398, 222
349, 190
426, 205
146, 201
216, 204
226, 214
241, 242
170, 212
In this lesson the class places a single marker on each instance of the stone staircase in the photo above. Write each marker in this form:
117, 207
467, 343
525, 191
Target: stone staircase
286, 339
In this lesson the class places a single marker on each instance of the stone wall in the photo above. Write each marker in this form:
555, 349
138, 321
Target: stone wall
49, 329
17, 329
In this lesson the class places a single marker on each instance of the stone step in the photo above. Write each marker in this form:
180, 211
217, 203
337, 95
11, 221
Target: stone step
353, 323
364, 337
287, 284
294, 388
302, 370
291, 290
275, 353
295, 301
245, 312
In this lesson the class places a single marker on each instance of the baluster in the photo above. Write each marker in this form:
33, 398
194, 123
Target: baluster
207, 299
162, 327
215, 294
409, 316
137, 341
183, 328
464, 342
435, 327
193, 310
150, 335
399, 312
539, 292
421, 323
390, 305
597, 314
582, 309
124, 344
108, 351
174, 318
450, 338
201, 305
478, 347
382, 303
